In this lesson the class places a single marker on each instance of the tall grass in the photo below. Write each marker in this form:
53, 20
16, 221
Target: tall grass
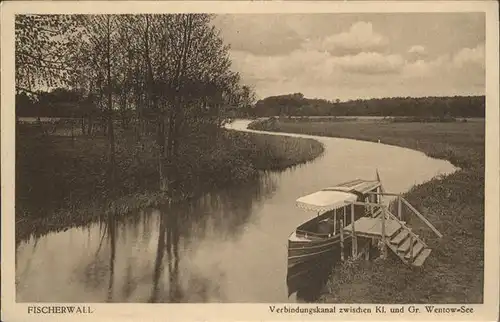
272, 152
460, 143
454, 272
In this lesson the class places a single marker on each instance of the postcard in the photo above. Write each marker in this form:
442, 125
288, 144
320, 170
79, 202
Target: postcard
242, 160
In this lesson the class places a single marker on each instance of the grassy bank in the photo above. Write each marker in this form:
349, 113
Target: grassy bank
62, 182
454, 273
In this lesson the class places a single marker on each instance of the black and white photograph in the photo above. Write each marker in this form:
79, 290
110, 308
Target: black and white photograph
311, 162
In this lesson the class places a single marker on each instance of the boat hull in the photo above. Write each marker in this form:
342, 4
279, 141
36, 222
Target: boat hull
305, 273
308, 276
300, 252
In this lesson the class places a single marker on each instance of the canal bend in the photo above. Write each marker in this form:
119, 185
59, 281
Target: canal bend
228, 246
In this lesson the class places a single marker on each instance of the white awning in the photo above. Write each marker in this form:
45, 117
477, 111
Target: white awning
325, 200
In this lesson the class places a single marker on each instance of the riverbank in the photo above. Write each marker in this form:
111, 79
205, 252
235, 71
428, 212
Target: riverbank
454, 273
61, 181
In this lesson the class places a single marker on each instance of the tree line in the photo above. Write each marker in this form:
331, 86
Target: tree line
169, 72
297, 105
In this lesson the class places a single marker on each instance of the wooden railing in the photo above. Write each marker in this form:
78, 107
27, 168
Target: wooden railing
412, 234
419, 215
401, 201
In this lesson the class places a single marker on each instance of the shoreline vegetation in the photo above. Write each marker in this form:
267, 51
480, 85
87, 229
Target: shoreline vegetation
141, 101
454, 273
61, 179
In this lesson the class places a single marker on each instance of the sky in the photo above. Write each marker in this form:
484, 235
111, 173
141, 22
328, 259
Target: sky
362, 55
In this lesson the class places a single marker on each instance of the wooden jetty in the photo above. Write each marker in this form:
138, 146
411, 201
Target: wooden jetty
350, 211
392, 232
349, 215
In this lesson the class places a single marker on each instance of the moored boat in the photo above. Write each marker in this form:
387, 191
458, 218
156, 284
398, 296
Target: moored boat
321, 235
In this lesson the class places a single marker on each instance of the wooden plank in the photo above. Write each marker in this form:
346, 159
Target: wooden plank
373, 227
363, 225
400, 213
341, 240
403, 224
384, 194
400, 237
377, 213
391, 227
416, 250
354, 239
406, 245
419, 261
358, 203
431, 226
384, 248
335, 222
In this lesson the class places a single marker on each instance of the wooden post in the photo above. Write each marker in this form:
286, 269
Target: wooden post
341, 240
400, 214
383, 233
72, 133
411, 248
354, 238
334, 221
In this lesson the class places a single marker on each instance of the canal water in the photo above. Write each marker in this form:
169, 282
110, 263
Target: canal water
228, 246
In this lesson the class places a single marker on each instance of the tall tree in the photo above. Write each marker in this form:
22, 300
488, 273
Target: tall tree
100, 39
44, 50
198, 73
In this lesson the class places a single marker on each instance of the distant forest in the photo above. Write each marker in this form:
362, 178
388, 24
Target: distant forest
57, 103
297, 105
67, 103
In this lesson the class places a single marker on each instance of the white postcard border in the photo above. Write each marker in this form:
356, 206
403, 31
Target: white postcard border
12, 311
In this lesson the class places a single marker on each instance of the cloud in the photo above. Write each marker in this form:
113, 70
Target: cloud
470, 56
366, 74
345, 56
312, 66
371, 63
423, 68
278, 67
360, 38
466, 63
417, 49
416, 53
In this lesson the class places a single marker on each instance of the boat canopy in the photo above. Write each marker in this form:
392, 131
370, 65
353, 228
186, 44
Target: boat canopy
325, 200
361, 186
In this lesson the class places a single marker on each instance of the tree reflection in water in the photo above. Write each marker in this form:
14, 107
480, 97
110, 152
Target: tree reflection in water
112, 238
168, 242
223, 213
123, 268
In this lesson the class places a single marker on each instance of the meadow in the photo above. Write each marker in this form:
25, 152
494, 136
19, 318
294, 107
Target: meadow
454, 273
61, 177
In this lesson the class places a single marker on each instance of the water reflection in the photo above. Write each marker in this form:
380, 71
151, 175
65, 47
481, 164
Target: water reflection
168, 243
227, 246
120, 258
